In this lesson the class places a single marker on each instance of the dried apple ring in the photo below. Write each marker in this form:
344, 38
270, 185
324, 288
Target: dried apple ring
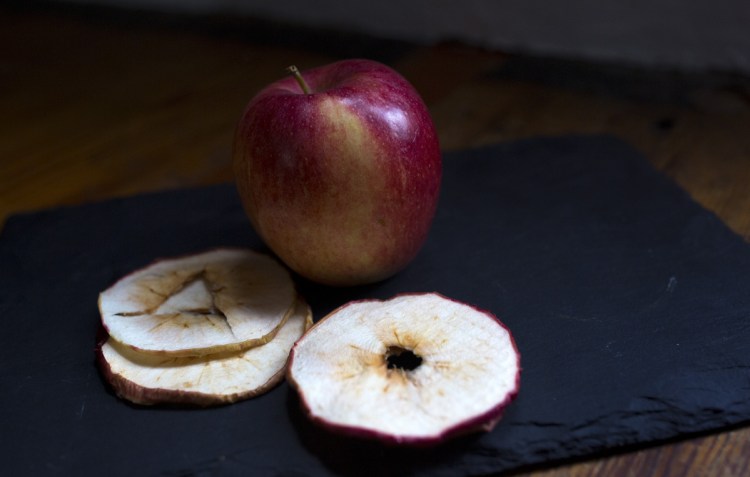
416, 369
216, 301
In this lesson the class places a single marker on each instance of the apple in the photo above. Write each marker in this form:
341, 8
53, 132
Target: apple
338, 169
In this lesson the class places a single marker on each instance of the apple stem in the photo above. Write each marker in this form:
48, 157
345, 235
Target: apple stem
300, 80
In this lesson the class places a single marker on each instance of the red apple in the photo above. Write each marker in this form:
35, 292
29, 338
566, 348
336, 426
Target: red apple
339, 170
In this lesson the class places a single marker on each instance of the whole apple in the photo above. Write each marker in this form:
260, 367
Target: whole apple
339, 170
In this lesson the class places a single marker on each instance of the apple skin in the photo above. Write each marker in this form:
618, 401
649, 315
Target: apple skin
341, 183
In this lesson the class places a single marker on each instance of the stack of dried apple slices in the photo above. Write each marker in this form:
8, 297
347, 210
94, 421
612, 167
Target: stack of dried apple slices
205, 329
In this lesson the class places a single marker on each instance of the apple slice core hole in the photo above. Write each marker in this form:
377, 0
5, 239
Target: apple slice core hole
397, 357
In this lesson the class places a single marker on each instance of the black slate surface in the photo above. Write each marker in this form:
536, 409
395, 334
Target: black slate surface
628, 301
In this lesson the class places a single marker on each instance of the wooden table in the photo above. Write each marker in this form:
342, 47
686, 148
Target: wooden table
102, 104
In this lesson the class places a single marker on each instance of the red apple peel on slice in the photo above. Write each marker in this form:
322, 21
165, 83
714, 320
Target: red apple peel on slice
416, 369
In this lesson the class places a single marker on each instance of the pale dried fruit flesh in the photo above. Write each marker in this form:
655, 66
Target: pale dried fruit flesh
220, 300
223, 378
415, 369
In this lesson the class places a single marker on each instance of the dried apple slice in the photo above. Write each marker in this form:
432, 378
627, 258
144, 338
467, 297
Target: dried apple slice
209, 380
220, 300
415, 369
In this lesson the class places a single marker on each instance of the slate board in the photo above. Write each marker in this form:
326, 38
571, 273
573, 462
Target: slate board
628, 301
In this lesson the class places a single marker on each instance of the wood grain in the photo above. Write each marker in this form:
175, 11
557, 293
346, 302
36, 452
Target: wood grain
99, 107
